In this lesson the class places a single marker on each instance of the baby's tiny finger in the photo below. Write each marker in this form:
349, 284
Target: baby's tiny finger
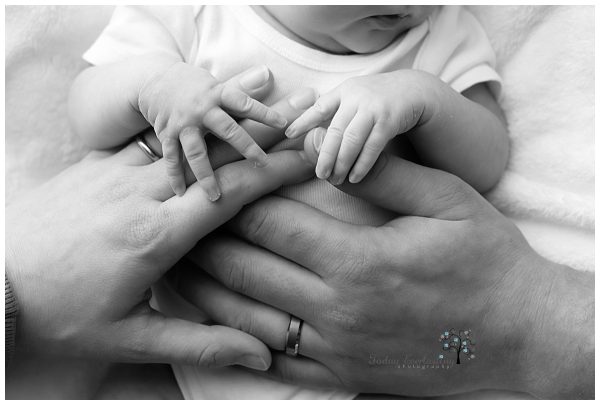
195, 151
353, 140
225, 128
371, 150
243, 106
332, 142
172, 155
321, 111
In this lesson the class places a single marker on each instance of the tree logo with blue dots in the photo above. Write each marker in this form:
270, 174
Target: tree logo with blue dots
461, 343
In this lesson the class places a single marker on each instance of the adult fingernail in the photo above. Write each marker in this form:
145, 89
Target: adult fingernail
318, 137
254, 362
303, 99
255, 78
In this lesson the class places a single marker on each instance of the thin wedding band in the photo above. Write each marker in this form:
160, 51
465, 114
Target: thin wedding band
292, 340
141, 142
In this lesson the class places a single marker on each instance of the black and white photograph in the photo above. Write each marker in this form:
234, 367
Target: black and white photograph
299, 202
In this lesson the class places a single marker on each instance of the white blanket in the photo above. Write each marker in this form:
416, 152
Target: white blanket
545, 56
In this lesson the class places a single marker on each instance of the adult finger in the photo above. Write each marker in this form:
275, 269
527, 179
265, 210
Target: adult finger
307, 237
227, 129
187, 219
260, 274
226, 307
409, 188
195, 151
149, 336
302, 371
220, 153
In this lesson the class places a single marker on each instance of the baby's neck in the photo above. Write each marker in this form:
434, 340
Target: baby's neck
263, 13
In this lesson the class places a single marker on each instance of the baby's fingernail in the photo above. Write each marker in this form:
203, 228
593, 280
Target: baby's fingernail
255, 78
323, 175
281, 121
214, 195
353, 178
336, 181
291, 131
303, 99
262, 161
179, 190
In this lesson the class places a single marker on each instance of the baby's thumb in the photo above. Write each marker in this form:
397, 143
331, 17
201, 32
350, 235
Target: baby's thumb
171, 340
312, 143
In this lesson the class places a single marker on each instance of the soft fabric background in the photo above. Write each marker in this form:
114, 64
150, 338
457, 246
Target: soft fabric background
545, 56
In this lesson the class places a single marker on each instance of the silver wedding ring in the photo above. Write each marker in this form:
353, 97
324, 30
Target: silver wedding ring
292, 340
141, 142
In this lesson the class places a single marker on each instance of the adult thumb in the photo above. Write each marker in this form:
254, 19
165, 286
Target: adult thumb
154, 338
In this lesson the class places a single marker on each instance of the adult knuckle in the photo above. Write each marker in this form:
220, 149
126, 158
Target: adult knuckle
229, 182
245, 322
343, 318
256, 224
452, 191
144, 231
234, 274
208, 355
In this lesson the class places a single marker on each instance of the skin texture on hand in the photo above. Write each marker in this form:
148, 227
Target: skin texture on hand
84, 249
450, 260
183, 103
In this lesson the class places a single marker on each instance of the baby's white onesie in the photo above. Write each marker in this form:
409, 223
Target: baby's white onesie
227, 40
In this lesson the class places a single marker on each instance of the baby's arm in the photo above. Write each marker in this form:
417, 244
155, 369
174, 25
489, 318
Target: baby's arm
103, 102
109, 104
465, 135
447, 129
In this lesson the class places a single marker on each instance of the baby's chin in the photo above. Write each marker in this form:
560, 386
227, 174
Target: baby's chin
377, 42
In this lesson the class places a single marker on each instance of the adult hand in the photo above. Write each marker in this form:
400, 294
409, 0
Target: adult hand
375, 300
83, 250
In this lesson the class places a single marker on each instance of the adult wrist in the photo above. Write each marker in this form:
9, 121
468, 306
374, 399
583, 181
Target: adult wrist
558, 353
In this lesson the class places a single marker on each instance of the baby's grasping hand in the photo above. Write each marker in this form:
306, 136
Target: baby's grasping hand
367, 112
183, 103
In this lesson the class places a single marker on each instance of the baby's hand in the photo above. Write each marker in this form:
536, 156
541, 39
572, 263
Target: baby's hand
184, 103
367, 112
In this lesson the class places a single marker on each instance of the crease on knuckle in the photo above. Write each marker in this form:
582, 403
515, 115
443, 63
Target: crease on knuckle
196, 153
257, 225
234, 274
452, 193
229, 131
208, 355
144, 231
